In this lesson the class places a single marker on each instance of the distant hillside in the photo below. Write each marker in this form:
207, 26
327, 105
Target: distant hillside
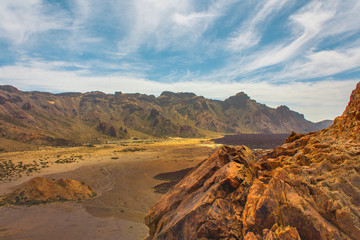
77, 118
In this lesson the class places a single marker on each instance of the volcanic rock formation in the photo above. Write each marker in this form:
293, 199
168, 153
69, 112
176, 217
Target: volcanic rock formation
308, 188
43, 190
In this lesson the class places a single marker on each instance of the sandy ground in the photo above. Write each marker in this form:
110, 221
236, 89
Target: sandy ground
123, 180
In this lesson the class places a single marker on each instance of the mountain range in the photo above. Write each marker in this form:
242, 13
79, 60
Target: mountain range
42, 118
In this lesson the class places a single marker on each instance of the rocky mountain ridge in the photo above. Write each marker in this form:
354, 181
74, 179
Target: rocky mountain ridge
308, 188
77, 118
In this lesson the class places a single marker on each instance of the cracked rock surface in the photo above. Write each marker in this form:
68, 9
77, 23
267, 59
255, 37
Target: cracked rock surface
308, 188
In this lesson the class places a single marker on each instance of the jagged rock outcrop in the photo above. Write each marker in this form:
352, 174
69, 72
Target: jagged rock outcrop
308, 188
43, 190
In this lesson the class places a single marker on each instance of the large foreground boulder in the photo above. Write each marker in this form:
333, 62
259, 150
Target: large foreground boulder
308, 188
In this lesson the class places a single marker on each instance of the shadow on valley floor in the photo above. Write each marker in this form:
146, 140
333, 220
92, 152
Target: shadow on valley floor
254, 141
172, 178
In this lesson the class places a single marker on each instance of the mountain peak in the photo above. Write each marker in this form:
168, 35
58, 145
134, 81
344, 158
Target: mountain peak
240, 100
283, 108
352, 111
242, 94
348, 125
178, 94
9, 88
95, 94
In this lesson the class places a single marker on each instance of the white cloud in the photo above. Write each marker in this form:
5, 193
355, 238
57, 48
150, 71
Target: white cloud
246, 39
149, 19
323, 63
345, 20
161, 24
310, 20
316, 100
296, 54
188, 20
249, 33
83, 9
19, 20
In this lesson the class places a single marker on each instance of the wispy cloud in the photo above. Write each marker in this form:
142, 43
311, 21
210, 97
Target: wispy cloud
168, 24
297, 55
214, 48
307, 23
19, 20
323, 64
249, 33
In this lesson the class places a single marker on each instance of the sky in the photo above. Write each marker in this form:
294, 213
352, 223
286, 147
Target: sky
303, 54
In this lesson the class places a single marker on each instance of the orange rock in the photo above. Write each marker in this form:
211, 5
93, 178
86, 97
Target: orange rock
43, 190
308, 188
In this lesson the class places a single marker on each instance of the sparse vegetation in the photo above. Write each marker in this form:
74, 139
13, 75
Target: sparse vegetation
92, 195
131, 149
10, 170
70, 159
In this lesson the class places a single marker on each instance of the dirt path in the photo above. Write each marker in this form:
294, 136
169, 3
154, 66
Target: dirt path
124, 183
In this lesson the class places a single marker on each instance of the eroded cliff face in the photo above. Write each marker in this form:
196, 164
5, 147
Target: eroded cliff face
308, 188
40, 118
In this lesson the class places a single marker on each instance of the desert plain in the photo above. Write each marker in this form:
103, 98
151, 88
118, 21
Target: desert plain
124, 174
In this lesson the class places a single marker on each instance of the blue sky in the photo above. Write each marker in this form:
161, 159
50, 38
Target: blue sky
304, 54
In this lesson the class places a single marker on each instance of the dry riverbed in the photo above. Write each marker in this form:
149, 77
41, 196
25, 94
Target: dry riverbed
122, 173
